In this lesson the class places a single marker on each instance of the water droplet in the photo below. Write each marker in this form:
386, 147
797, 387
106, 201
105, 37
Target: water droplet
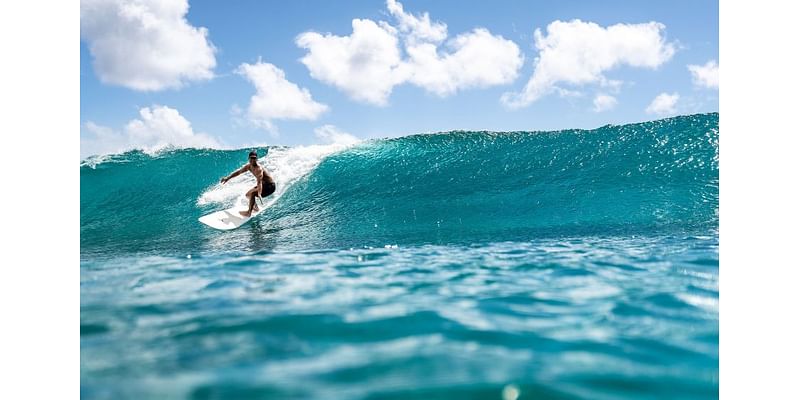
510, 392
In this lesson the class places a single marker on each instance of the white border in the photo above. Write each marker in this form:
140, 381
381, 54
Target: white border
759, 179
40, 283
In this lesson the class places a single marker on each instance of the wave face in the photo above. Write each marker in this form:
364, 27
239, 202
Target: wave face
454, 187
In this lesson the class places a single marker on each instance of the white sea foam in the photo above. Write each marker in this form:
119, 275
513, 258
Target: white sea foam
285, 164
93, 161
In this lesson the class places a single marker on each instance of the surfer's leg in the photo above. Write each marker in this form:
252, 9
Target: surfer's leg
266, 189
251, 195
253, 204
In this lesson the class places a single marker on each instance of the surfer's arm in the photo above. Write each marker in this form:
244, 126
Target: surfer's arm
234, 174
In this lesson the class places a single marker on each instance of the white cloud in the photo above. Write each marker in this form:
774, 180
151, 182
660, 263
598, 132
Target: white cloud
276, 97
366, 64
369, 63
146, 45
157, 128
663, 104
579, 53
417, 28
705, 75
604, 102
476, 59
334, 135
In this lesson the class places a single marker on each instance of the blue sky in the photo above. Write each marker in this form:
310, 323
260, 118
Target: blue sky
214, 94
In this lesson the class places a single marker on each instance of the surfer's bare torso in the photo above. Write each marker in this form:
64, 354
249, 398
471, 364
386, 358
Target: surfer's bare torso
259, 172
256, 169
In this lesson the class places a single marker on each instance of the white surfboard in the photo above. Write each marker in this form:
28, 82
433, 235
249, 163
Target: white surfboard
230, 218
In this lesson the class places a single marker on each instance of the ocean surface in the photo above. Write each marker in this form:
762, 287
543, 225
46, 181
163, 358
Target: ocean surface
574, 264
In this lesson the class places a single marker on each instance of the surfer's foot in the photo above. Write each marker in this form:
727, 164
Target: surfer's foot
245, 213
255, 208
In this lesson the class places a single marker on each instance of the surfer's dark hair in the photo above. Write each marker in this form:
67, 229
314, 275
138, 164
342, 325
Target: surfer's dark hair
253, 153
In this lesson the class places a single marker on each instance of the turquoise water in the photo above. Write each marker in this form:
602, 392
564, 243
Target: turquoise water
569, 264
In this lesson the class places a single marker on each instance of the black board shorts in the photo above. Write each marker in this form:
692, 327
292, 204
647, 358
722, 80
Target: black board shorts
267, 188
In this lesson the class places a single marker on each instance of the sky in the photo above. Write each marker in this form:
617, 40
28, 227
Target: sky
158, 73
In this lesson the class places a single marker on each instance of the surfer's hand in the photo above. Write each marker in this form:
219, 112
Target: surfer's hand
223, 180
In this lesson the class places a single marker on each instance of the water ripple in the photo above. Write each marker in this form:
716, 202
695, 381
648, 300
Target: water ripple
589, 317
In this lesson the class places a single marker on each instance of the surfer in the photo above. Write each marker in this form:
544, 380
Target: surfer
265, 186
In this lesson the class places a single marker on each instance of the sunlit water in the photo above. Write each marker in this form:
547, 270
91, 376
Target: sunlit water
568, 318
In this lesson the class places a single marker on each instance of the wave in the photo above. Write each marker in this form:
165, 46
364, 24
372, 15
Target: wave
459, 186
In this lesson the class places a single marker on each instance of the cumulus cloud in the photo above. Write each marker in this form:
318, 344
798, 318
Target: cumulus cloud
276, 97
705, 75
604, 102
157, 128
476, 59
365, 65
377, 56
417, 28
146, 45
332, 134
663, 104
579, 53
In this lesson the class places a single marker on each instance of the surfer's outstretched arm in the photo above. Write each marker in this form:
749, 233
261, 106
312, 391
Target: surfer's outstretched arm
234, 174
